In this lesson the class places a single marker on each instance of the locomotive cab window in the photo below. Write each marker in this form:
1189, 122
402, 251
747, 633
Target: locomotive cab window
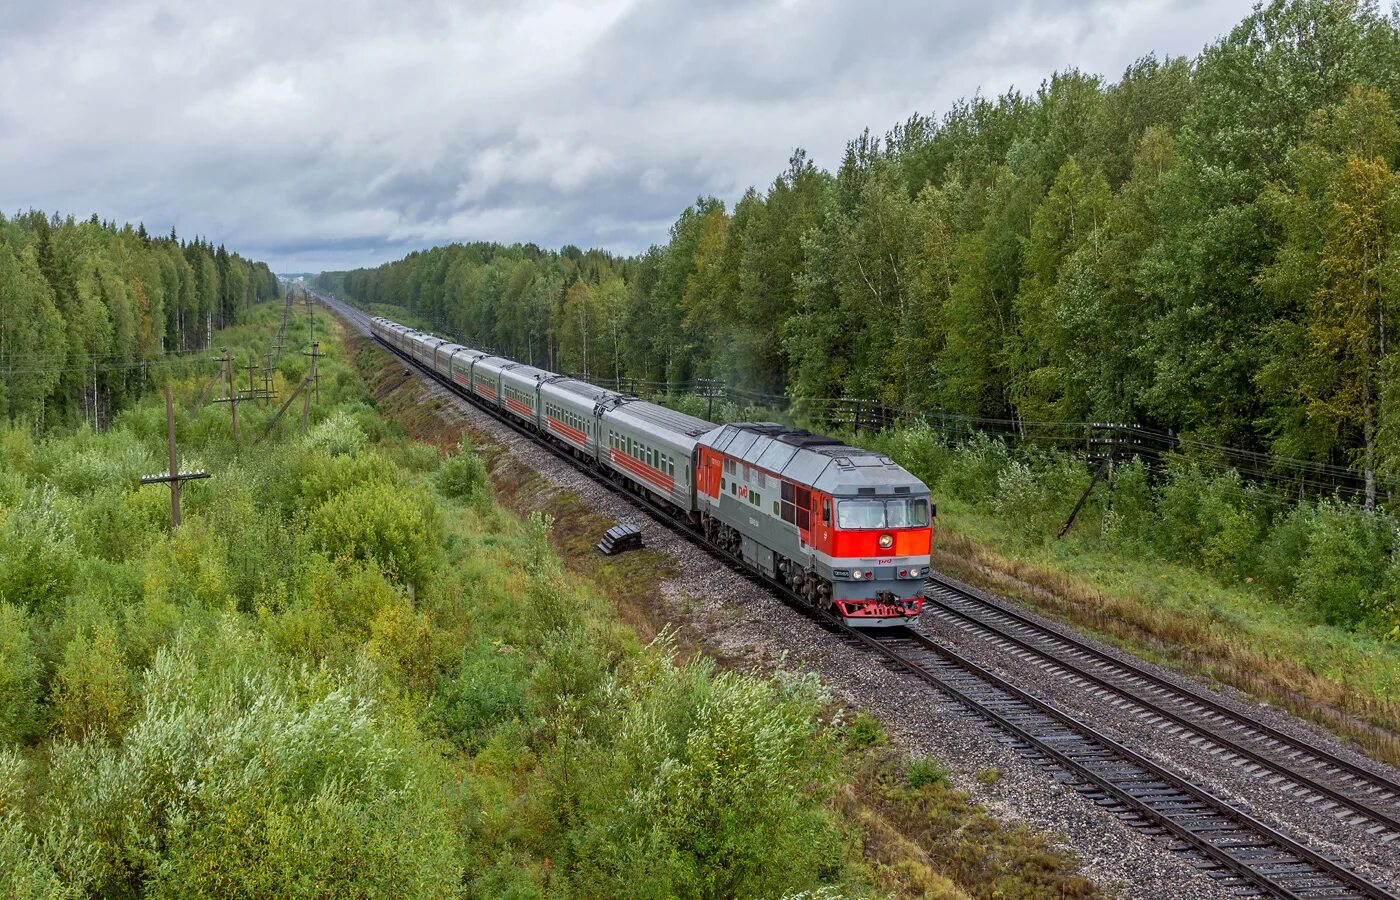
909, 513
858, 514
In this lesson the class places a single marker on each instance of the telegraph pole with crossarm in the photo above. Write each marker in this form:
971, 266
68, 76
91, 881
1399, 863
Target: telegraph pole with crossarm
174, 477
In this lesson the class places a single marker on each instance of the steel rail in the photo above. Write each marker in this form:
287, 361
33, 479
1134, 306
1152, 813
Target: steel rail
1336, 880
1284, 763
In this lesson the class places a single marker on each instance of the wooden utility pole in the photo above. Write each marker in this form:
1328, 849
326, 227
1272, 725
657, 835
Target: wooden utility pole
313, 380
173, 477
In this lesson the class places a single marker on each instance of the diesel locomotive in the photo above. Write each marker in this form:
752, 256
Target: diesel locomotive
847, 529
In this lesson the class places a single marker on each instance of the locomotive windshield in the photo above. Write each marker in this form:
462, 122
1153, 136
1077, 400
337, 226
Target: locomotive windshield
906, 513
858, 514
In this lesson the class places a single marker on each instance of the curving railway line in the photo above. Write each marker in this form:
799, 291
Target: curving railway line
1243, 852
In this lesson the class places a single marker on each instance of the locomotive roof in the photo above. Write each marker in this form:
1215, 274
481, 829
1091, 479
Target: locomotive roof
813, 459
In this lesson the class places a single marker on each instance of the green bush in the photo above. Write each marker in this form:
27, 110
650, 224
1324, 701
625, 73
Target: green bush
320, 476
463, 476
396, 526
253, 787
26, 872
1130, 515
865, 731
38, 552
713, 786
925, 771
974, 469
1036, 499
1215, 523
487, 686
1342, 572
20, 670
93, 692
338, 435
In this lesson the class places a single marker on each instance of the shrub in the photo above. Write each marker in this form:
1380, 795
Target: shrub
1129, 518
464, 475
38, 554
19, 677
25, 871
487, 686
321, 476
93, 692
119, 461
396, 526
975, 468
241, 782
1035, 500
865, 731
712, 785
1342, 573
339, 435
1213, 522
926, 771
1276, 560
190, 566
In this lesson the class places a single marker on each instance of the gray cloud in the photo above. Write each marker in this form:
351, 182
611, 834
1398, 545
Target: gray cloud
329, 135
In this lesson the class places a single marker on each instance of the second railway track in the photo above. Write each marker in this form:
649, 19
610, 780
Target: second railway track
1245, 853
1351, 792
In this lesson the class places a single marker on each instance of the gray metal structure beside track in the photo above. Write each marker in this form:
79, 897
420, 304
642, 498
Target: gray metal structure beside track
1244, 852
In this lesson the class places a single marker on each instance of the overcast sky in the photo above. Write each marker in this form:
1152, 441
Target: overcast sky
329, 134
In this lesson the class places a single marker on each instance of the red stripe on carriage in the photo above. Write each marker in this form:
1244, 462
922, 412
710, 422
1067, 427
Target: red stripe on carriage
519, 407
644, 471
566, 431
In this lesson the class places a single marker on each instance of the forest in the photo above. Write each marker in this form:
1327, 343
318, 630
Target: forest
1206, 246
87, 308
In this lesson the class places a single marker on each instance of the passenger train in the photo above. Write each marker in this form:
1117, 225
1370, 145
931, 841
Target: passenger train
849, 530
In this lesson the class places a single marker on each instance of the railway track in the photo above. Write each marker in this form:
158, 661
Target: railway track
1241, 851
1353, 794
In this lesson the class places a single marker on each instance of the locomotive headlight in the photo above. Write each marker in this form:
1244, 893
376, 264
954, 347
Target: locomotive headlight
856, 575
886, 541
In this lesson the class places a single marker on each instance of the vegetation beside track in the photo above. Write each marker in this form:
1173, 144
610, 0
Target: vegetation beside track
351, 672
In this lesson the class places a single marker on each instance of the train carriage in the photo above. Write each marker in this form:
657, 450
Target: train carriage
520, 391
442, 357
569, 413
486, 378
653, 447
459, 367
428, 347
